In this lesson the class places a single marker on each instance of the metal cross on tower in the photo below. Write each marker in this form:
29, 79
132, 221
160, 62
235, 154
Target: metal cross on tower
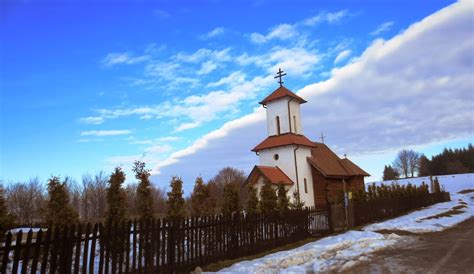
322, 138
280, 75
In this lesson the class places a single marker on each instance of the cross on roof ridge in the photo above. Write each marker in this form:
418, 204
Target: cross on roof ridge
280, 75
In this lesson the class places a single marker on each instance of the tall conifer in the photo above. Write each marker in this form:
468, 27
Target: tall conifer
282, 199
175, 199
231, 199
268, 198
58, 211
252, 202
144, 195
116, 198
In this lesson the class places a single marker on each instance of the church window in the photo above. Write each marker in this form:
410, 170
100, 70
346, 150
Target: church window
276, 157
278, 124
305, 186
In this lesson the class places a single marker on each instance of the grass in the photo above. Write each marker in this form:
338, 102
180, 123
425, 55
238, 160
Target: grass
465, 191
226, 263
453, 211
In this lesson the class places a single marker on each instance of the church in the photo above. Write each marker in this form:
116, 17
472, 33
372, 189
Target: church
288, 157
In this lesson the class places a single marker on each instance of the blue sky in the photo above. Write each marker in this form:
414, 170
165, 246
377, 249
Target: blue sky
89, 86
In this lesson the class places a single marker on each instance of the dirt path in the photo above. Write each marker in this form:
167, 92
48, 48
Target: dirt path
450, 251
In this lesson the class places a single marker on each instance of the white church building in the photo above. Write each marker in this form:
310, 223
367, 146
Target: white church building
288, 157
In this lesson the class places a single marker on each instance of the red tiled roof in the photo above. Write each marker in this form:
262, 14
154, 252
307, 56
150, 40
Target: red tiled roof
283, 140
273, 174
280, 93
330, 165
352, 168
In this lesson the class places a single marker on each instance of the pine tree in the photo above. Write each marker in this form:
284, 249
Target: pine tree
144, 195
58, 210
116, 198
282, 199
268, 198
437, 187
6, 220
390, 173
175, 199
296, 203
252, 202
200, 198
231, 200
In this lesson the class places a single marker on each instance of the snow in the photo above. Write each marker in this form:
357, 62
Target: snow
451, 183
414, 222
25, 230
341, 252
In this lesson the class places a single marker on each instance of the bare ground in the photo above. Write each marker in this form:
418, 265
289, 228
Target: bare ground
449, 251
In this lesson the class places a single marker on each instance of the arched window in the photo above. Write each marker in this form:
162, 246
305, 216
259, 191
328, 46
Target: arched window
305, 186
278, 124
294, 123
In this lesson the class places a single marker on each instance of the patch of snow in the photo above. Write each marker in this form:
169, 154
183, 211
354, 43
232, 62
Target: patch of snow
25, 230
335, 252
451, 183
415, 222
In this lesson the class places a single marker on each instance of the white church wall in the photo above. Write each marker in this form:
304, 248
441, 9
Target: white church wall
295, 114
277, 108
304, 171
286, 162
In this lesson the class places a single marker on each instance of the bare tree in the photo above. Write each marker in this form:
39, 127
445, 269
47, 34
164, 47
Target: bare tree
228, 175
407, 162
25, 201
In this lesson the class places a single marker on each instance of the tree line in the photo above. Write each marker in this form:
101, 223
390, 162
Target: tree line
409, 162
103, 198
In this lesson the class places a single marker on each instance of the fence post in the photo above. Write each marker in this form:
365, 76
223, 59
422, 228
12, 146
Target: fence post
171, 244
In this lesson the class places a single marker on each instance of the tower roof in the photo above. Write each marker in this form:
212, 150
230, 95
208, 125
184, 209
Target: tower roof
280, 93
283, 140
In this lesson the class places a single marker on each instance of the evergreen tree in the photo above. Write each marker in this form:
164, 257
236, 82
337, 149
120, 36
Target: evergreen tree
144, 195
296, 203
424, 168
390, 173
58, 210
231, 199
268, 198
252, 202
282, 199
200, 199
6, 220
116, 198
175, 199
437, 187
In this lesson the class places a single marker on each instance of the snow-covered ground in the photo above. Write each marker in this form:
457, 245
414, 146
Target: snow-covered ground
451, 183
343, 251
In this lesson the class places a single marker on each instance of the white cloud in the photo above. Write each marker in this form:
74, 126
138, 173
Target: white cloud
94, 120
342, 56
106, 132
382, 28
329, 17
214, 33
234, 78
158, 149
169, 139
411, 90
282, 32
123, 58
207, 67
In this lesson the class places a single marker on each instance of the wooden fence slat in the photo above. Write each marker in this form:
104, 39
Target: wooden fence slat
6, 252
102, 248
93, 245
26, 256
77, 252
17, 251
36, 254
134, 251
86, 249
127, 246
47, 241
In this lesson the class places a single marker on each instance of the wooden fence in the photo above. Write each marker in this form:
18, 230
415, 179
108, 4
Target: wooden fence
157, 246
379, 209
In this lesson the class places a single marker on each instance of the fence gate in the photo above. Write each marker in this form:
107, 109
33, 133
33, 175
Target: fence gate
318, 222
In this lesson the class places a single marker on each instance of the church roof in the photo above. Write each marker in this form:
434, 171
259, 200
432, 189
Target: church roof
280, 93
283, 140
329, 164
273, 174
